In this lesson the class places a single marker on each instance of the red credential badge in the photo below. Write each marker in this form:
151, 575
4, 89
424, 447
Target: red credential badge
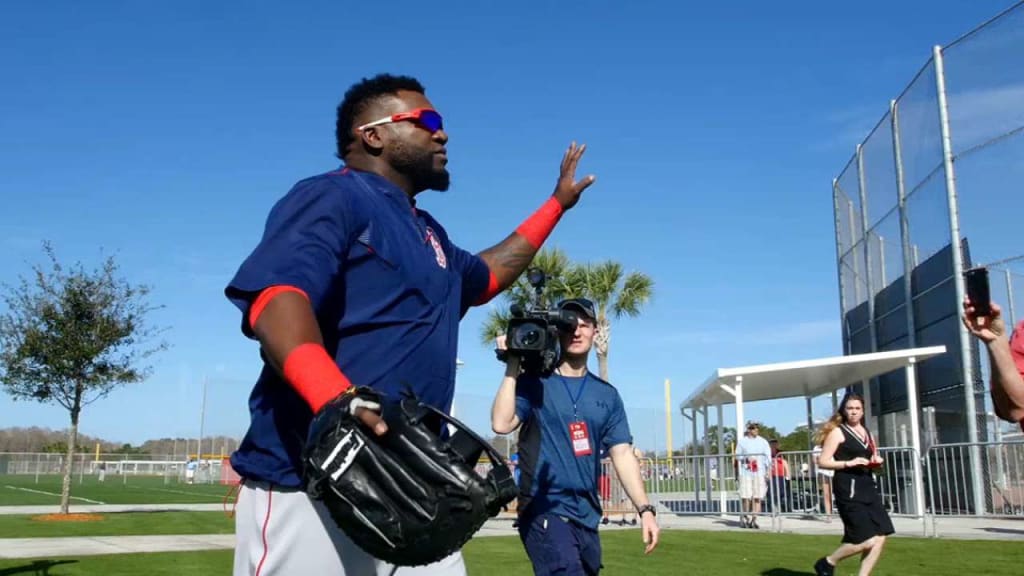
580, 438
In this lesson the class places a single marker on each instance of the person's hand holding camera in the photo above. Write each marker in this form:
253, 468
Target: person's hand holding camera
511, 361
987, 328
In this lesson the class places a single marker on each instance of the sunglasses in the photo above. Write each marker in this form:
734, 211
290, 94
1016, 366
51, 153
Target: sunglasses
426, 118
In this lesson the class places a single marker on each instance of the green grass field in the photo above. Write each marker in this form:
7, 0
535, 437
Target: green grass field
681, 552
119, 524
23, 490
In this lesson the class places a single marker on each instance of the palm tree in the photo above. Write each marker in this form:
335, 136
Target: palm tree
614, 293
555, 264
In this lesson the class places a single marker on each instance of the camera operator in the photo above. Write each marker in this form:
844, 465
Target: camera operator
568, 418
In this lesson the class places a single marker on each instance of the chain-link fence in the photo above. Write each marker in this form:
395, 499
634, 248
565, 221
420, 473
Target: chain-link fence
932, 191
21, 468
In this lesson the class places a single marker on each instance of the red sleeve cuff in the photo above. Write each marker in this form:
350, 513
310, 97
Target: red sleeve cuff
264, 298
493, 289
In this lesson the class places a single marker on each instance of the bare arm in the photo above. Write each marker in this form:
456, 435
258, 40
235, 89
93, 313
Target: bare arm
828, 451
627, 468
288, 322
508, 259
503, 411
1007, 385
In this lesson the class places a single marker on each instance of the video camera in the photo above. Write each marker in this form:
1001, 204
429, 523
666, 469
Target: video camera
533, 333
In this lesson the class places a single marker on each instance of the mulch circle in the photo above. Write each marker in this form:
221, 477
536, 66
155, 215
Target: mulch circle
68, 518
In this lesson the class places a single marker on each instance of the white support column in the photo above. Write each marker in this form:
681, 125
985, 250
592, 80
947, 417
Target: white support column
737, 392
720, 461
696, 459
915, 434
693, 424
707, 445
868, 412
707, 450
810, 424
721, 428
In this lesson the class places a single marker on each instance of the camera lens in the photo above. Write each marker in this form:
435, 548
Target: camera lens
528, 336
531, 337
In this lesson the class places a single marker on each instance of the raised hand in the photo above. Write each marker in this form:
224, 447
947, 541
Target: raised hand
568, 189
987, 328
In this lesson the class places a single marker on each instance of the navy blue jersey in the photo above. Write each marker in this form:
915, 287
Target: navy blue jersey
554, 479
388, 289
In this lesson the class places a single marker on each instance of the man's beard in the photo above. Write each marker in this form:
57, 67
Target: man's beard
418, 166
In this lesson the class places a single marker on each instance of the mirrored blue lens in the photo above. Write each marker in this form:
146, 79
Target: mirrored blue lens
431, 120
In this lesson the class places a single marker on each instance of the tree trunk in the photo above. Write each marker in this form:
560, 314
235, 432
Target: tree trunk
602, 366
65, 491
601, 343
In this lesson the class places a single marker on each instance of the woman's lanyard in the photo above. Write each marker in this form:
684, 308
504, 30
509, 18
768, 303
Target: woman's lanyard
579, 392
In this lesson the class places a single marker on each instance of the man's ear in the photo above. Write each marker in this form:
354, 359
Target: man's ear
372, 139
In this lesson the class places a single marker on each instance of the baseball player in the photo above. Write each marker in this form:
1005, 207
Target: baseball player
352, 284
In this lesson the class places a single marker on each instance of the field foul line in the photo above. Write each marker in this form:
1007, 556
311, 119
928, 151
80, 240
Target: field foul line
52, 494
169, 491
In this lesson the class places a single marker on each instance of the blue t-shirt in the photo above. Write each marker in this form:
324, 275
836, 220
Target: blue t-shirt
554, 479
388, 289
754, 454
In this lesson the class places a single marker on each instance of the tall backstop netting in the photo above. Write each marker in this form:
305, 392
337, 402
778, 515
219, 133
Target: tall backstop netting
937, 187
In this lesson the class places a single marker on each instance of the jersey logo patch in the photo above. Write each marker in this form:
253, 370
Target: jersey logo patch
439, 256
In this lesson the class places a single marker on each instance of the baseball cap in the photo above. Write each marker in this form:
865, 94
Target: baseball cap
580, 305
752, 424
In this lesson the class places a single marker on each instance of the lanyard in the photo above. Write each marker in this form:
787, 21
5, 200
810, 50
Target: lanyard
579, 391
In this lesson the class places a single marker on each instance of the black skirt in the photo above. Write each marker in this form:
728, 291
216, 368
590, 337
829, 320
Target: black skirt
860, 508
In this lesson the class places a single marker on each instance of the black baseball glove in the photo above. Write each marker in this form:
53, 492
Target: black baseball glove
407, 497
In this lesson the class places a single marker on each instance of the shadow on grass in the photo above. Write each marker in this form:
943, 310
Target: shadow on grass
1003, 530
36, 568
785, 572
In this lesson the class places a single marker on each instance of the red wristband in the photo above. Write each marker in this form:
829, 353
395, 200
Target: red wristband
264, 298
314, 375
539, 225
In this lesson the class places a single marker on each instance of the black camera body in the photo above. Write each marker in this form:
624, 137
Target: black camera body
534, 332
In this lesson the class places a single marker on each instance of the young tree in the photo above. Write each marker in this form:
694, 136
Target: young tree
554, 263
797, 440
614, 293
728, 438
70, 335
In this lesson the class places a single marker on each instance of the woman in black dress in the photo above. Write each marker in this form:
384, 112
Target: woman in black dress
849, 450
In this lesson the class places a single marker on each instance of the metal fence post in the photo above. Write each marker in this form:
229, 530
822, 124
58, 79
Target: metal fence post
869, 409
901, 199
958, 280
839, 266
1009, 298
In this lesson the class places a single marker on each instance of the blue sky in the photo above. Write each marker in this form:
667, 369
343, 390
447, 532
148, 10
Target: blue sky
163, 132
